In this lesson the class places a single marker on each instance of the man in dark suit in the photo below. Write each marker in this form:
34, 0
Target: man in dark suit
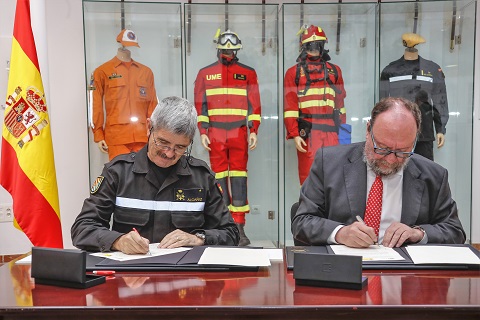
416, 203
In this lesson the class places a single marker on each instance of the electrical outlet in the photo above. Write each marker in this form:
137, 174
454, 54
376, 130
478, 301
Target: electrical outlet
271, 215
255, 209
6, 213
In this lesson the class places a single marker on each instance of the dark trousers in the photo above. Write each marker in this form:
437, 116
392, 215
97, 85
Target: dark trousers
424, 148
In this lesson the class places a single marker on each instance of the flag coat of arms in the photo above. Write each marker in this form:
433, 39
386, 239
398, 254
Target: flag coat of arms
27, 169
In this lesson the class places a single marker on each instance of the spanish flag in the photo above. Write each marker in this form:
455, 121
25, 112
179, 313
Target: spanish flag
27, 166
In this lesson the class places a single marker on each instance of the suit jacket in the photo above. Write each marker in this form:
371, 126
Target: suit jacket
336, 191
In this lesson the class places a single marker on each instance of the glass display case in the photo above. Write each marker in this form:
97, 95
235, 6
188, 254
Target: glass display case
158, 31
178, 42
448, 29
256, 27
350, 30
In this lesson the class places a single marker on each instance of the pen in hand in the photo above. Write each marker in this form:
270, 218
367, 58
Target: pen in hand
148, 252
359, 219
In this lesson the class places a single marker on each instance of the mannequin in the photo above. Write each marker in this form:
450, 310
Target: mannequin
123, 54
227, 100
314, 97
422, 81
122, 97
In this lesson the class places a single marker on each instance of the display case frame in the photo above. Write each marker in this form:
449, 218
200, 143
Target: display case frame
257, 27
158, 28
449, 30
352, 43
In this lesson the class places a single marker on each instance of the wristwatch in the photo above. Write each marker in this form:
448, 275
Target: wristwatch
200, 235
418, 228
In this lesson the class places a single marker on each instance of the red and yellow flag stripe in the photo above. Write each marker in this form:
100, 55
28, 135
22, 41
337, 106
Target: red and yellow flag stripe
27, 165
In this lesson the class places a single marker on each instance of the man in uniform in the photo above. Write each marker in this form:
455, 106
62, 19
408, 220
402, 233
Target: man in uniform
159, 194
122, 97
313, 99
228, 106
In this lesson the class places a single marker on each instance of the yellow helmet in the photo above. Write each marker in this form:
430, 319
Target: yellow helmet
228, 40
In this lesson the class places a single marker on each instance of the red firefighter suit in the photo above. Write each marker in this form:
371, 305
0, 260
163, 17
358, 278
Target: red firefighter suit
227, 100
313, 107
127, 91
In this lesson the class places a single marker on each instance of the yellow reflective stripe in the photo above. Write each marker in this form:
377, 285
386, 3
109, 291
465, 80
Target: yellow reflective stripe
318, 91
254, 117
290, 114
342, 110
218, 91
239, 209
203, 119
227, 112
317, 103
235, 173
221, 175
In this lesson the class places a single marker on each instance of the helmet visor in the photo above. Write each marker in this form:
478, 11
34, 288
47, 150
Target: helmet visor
228, 37
315, 45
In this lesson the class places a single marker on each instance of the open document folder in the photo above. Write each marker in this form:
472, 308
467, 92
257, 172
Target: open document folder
219, 258
435, 256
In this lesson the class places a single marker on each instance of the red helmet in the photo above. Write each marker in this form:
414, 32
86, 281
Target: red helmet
312, 33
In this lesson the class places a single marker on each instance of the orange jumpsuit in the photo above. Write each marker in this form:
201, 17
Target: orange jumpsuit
127, 91
315, 105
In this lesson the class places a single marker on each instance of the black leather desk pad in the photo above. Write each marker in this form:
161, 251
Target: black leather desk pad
406, 264
181, 261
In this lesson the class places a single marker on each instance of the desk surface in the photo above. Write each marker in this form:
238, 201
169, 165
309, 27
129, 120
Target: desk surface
269, 293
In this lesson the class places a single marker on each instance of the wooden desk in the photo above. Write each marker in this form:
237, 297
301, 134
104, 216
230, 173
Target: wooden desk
267, 294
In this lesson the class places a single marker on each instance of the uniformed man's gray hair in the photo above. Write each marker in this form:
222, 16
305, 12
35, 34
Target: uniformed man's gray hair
176, 115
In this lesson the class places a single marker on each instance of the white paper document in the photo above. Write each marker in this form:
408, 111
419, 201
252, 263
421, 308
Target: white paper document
442, 255
372, 253
235, 257
274, 254
154, 251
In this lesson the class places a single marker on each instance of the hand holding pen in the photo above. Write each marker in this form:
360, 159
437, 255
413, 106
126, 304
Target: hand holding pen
359, 219
142, 242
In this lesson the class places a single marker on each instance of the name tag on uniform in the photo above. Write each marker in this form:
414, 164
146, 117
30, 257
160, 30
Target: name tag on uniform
239, 76
190, 195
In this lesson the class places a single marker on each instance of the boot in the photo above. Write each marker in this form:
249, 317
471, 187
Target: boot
244, 241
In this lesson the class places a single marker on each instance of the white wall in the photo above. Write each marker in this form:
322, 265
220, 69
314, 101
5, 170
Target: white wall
62, 65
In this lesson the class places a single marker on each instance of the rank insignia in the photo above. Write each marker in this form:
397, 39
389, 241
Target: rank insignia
189, 195
96, 184
179, 195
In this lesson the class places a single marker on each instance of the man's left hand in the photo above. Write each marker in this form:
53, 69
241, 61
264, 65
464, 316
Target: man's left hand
398, 233
179, 238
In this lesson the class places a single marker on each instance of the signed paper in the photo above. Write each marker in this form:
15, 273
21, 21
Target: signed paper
372, 253
154, 251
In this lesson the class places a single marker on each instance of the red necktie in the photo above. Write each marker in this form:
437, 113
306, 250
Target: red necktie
374, 205
375, 290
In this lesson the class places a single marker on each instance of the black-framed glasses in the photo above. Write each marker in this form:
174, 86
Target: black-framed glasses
386, 152
164, 147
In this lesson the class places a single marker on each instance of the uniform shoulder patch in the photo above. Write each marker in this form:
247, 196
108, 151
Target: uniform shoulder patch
96, 184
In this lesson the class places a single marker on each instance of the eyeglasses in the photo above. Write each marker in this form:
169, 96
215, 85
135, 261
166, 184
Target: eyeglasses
229, 37
163, 146
386, 152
